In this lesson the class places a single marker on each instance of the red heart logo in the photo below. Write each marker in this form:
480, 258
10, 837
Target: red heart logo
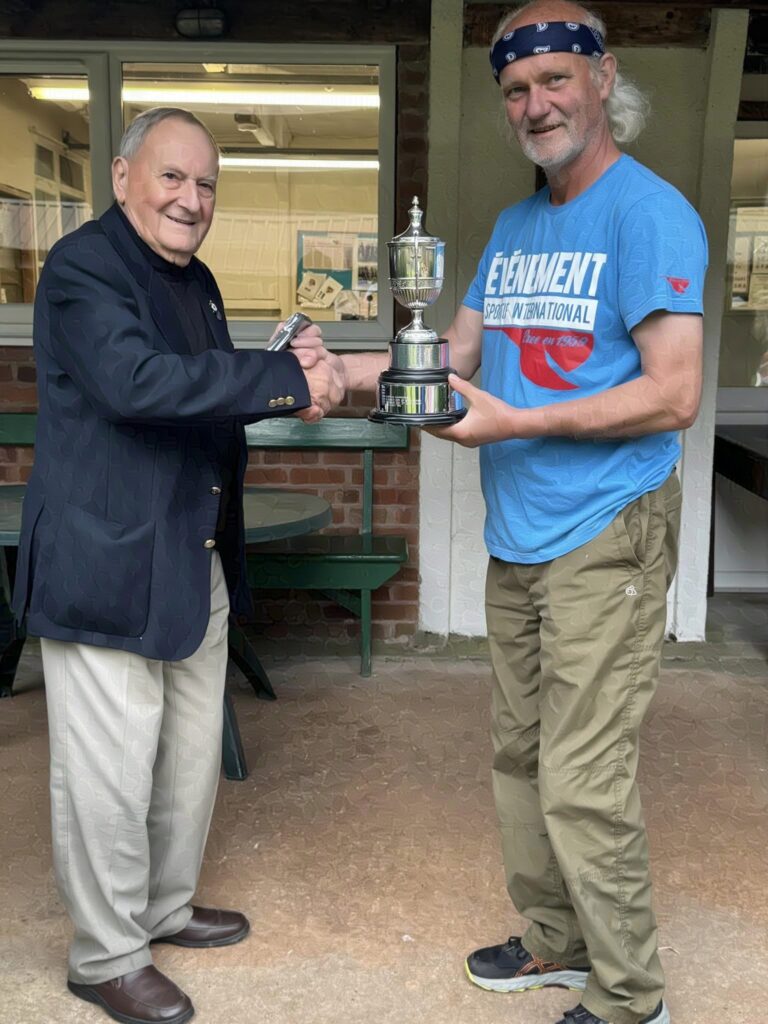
679, 283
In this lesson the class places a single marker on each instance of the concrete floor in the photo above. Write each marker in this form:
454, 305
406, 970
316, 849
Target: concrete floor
363, 848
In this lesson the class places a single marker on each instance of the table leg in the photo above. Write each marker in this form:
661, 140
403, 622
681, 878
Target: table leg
244, 656
12, 635
232, 753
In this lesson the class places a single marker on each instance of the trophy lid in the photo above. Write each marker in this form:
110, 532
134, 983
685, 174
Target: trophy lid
416, 232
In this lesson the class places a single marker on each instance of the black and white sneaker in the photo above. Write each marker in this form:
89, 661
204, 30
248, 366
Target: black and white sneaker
581, 1015
511, 968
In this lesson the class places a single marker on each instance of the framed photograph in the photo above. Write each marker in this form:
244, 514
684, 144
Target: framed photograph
747, 258
338, 269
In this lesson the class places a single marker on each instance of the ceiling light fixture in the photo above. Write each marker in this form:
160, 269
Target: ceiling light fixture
218, 97
298, 163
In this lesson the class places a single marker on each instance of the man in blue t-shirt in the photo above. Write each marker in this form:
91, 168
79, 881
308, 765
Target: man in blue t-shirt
585, 314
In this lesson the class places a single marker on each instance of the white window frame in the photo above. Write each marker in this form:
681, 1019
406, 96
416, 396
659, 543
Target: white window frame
102, 62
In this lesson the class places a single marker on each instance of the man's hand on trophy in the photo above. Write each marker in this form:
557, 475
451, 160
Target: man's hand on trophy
327, 387
488, 419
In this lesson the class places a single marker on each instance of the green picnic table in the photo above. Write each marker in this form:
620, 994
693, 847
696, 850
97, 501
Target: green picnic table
270, 514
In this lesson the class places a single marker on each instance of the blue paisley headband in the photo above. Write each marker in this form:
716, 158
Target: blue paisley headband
545, 37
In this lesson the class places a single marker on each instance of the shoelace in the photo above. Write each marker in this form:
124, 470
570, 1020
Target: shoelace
515, 947
581, 1015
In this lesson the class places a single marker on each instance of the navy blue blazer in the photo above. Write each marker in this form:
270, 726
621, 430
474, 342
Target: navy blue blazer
132, 432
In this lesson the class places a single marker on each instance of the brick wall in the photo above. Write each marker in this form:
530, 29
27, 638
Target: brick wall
18, 393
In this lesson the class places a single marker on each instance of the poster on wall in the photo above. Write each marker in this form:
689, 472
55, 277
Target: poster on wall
741, 254
760, 255
758, 292
337, 270
748, 261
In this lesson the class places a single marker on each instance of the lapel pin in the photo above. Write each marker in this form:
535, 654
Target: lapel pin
214, 308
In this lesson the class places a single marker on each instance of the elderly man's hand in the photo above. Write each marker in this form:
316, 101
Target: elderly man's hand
307, 346
327, 386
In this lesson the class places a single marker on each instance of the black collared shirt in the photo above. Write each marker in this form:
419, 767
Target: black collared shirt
191, 306
190, 303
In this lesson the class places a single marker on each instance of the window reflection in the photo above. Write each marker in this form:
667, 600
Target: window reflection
744, 345
45, 188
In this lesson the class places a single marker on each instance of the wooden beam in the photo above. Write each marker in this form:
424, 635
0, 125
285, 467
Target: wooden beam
753, 110
262, 21
629, 24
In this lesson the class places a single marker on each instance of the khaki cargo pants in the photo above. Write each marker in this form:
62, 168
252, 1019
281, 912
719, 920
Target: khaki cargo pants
575, 646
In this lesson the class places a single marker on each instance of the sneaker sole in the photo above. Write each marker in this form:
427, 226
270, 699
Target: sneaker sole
87, 993
663, 1017
576, 981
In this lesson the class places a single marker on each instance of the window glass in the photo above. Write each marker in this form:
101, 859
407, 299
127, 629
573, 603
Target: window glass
45, 188
744, 346
296, 218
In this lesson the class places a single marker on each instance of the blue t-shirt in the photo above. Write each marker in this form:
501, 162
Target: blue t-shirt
560, 288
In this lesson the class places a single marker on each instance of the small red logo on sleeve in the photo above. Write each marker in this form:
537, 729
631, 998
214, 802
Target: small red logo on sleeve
679, 283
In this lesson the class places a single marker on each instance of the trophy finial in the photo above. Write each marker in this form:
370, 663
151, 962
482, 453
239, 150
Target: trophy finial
416, 213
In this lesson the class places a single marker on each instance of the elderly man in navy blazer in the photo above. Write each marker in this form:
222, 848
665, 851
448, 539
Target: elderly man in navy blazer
131, 556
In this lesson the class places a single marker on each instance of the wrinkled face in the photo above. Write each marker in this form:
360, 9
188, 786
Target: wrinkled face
168, 188
554, 106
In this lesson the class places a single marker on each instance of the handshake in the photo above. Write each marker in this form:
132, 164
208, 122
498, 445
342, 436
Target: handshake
324, 371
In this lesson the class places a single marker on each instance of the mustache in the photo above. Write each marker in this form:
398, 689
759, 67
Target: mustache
535, 126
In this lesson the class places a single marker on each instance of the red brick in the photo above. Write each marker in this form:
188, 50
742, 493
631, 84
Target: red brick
406, 514
17, 353
316, 476
265, 477
18, 397
404, 629
279, 457
334, 458
395, 612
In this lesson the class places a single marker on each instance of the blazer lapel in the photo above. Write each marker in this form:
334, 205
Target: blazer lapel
172, 334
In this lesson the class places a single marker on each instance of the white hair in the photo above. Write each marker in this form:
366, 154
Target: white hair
138, 129
627, 108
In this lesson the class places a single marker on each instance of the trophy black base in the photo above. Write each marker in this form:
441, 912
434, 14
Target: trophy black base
416, 420
418, 398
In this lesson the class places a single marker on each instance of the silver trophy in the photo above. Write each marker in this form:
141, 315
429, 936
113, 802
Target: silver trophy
415, 388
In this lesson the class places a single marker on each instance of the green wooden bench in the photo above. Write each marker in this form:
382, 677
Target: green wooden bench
346, 568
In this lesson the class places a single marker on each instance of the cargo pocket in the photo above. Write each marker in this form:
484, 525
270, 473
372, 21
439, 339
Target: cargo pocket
631, 526
99, 574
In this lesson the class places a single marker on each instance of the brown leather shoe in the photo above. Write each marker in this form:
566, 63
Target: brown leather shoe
208, 927
141, 997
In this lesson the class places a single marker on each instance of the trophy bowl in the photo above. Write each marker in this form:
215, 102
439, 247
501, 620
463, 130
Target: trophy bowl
415, 388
